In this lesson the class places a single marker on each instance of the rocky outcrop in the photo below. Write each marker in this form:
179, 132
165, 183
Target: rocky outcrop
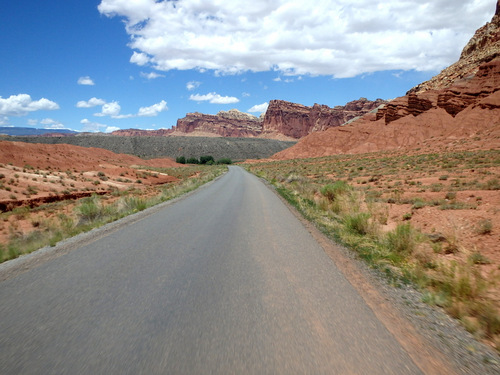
453, 100
296, 120
460, 106
232, 123
483, 47
282, 120
466, 83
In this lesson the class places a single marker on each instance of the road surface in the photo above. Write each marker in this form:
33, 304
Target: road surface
225, 281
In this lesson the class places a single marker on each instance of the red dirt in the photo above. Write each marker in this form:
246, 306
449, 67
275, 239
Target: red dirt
40, 173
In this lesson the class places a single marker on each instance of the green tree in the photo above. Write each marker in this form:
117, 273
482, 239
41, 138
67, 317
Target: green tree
206, 159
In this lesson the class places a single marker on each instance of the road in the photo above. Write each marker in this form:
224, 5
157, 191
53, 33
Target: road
225, 281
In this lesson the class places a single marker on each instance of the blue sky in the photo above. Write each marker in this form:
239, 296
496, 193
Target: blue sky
92, 65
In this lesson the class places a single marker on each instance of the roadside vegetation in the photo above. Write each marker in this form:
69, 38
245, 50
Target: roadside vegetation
207, 159
425, 219
27, 229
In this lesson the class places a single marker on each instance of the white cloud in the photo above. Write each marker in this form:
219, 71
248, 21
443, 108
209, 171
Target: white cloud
32, 122
51, 124
193, 85
151, 75
153, 110
86, 81
92, 102
214, 98
110, 129
4, 120
259, 108
113, 109
342, 38
109, 109
22, 104
140, 59
90, 126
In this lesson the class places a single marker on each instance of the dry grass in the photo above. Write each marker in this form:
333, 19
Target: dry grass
376, 204
50, 223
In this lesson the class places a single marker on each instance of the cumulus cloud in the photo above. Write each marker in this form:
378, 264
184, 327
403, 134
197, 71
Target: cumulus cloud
153, 110
214, 98
93, 127
342, 38
193, 85
259, 108
151, 75
139, 58
109, 109
110, 129
51, 124
92, 102
86, 81
22, 104
4, 120
113, 109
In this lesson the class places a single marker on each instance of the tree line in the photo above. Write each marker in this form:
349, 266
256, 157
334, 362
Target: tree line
206, 160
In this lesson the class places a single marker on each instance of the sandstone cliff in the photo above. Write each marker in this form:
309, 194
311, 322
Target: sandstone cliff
483, 47
232, 123
461, 105
296, 120
282, 120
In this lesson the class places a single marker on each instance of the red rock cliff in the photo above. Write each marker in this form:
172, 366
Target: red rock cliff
232, 123
297, 120
461, 104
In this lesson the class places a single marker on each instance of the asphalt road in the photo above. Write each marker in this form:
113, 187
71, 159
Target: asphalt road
225, 281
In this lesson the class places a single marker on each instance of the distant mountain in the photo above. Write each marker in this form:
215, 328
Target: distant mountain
16, 131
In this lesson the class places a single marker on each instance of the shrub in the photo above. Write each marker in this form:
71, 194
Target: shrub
358, 223
134, 204
89, 209
207, 159
192, 161
332, 191
224, 161
484, 227
403, 240
181, 160
451, 195
493, 184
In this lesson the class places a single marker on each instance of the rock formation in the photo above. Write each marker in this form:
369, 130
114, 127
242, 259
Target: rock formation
296, 120
282, 120
483, 47
461, 103
232, 123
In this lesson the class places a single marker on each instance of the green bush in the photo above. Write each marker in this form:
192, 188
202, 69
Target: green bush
331, 191
181, 159
358, 223
207, 159
192, 161
224, 161
90, 209
403, 240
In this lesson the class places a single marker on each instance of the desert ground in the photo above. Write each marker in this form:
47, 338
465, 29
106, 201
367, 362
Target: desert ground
446, 193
